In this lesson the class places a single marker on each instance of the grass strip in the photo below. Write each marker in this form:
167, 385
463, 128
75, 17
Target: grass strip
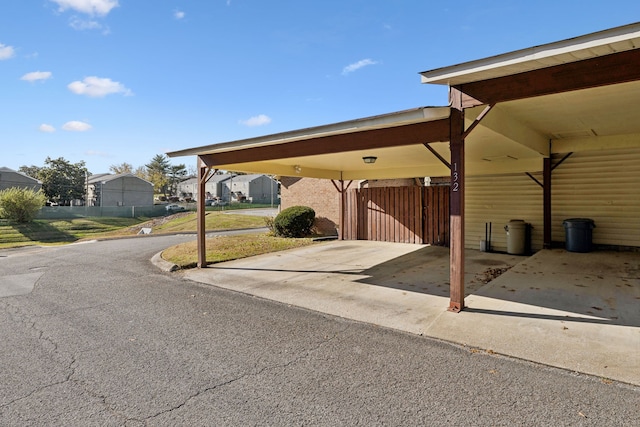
227, 248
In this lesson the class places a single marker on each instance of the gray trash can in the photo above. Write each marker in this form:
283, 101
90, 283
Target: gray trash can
578, 233
516, 232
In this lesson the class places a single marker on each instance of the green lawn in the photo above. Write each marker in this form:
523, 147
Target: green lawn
58, 231
227, 248
221, 248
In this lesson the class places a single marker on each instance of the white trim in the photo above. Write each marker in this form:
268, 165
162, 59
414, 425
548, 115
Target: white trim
589, 46
416, 115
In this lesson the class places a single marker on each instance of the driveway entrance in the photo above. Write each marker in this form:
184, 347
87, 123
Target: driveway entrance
573, 311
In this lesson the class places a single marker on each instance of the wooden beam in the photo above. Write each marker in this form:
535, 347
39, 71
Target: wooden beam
343, 196
534, 179
513, 128
410, 134
203, 171
456, 211
341, 219
566, 156
478, 119
546, 202
438, 156
606, 70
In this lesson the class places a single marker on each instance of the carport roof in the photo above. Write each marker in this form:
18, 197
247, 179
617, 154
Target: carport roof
588, 46
335, 151
561, 97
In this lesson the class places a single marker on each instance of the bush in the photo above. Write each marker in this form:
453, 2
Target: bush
295, 221
20, 204
269, 222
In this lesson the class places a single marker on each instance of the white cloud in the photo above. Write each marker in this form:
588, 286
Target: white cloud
90, 7
96, 153
82, 24
258, 120
6, 52
46, 128
36, 75
76, 126
97, 87
178, 14
357, 65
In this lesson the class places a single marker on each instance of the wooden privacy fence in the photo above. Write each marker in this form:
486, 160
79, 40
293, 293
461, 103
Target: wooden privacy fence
435, 206
398, 214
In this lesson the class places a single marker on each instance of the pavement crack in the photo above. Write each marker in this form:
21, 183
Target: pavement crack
302, 355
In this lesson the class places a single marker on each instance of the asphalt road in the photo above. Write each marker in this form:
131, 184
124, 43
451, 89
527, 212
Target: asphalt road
104, 338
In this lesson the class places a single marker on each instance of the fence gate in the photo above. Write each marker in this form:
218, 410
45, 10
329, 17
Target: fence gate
435, 217
398, 214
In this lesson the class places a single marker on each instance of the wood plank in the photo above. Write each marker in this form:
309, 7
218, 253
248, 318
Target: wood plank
456, 201
615, 68
200, 215
546, 203
408, 134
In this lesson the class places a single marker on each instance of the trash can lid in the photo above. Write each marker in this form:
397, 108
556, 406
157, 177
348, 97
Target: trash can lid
579, 221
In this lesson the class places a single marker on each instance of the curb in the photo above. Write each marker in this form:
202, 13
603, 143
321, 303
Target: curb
162, 264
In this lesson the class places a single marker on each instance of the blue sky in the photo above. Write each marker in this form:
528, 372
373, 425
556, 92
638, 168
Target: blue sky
113, 81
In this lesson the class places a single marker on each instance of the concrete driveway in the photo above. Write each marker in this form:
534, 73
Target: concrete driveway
574, 311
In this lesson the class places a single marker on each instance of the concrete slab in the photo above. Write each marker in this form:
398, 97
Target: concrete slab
18, 284
574, 311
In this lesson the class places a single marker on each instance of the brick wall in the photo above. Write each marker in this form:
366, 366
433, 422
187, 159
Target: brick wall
318, 194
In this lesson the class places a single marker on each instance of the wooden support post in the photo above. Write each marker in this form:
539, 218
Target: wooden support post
546, 202
203, 171
456, 211
342, 205
343, 197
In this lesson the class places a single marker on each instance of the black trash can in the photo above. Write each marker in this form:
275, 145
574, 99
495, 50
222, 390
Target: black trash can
578, 232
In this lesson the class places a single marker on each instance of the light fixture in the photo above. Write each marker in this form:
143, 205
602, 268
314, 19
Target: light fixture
297, 168
369, 159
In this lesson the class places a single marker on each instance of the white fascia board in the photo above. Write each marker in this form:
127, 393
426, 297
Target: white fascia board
571, 50
416, 115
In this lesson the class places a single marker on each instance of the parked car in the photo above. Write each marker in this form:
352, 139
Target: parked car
174, 208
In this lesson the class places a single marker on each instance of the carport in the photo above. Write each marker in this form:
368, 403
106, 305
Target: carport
523, 112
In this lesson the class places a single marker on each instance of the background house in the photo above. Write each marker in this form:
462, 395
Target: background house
119, 190
215, 187
253, 188
10, 178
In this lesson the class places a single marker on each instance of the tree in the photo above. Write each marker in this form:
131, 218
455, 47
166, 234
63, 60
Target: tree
63, 181
176, 174
20, 204
157, 173
31, 171
141, 172
121, 168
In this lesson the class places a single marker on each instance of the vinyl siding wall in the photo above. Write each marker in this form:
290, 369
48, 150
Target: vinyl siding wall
603, 186
499, 199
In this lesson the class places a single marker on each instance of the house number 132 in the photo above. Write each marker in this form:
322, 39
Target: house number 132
455, 184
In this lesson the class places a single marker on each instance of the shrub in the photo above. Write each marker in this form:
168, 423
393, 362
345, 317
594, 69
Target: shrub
269, 222
295, 221
20, 204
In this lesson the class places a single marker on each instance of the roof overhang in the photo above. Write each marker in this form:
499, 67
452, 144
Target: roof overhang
335, 151
589, 46
574, 95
